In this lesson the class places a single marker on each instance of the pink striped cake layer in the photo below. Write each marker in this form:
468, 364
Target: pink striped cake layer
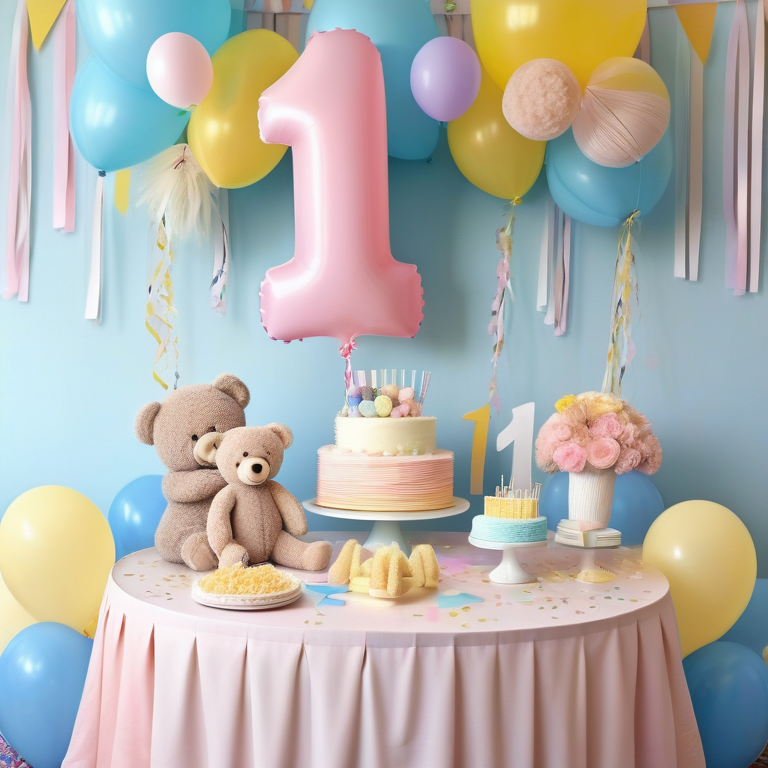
356, 481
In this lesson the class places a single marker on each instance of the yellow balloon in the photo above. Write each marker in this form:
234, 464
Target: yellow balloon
709, 559
580, 33
224, 130
13, 617
56, 552
489, 151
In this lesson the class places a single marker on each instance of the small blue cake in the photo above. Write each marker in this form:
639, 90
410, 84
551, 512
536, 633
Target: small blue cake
509, 531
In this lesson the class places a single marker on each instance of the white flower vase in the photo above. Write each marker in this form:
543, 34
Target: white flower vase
590, 494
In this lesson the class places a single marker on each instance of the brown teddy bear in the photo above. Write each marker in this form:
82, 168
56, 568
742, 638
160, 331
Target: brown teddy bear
255, 519
185, 430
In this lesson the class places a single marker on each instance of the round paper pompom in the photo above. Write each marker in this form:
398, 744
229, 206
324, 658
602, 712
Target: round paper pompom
367, 409
541, 99
624, 114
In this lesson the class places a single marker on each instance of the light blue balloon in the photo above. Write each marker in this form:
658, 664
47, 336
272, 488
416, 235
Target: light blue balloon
135, 513
553, 502
399, 29
603, 196
751, 628
116, 125
729, 691
121, 32
42, 675
636, 504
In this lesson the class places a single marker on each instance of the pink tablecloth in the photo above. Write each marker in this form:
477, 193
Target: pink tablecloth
557, 674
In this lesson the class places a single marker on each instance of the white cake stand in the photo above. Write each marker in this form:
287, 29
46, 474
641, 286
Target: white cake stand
509, 570
386, 525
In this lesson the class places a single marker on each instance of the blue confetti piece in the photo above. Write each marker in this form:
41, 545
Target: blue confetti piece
330, 601
456, 601
325, 589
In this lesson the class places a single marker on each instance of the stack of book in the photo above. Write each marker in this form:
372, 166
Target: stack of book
570, 534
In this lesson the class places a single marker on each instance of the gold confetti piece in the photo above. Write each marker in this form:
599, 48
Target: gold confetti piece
453, 613
306, 621
482, 620
465, 625
418, 614
486, 581
318, 622
465, 608
129, 574
632, 599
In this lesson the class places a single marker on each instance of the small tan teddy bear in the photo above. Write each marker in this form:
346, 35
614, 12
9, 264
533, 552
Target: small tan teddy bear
254, 518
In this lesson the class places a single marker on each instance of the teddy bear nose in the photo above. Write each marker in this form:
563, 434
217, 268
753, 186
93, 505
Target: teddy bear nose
257, 467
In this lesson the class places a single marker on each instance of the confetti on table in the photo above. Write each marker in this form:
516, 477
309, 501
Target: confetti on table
457, 601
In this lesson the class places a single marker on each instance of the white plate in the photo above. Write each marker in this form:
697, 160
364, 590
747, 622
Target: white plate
250, 602
203, 598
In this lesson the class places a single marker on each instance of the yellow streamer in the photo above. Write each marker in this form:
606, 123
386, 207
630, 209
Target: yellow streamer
122, 189
621, 349
161, 312
42, 17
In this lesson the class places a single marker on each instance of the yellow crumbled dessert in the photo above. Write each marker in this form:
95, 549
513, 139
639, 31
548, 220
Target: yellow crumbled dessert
236, 580
514, 509
594, 576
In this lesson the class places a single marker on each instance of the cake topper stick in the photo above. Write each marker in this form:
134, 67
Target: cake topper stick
424, 385
413, 380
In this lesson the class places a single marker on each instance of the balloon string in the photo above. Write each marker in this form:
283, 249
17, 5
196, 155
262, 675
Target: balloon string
346, 351
503, 286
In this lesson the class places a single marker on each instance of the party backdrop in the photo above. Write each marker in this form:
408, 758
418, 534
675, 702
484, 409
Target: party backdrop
69, 390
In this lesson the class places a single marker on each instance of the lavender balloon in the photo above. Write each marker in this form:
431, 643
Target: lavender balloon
445, 78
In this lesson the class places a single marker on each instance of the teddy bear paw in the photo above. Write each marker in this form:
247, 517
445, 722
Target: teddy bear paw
316, 556
197, 554
233, 553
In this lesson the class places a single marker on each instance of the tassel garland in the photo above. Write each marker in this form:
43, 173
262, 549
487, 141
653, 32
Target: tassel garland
621, 349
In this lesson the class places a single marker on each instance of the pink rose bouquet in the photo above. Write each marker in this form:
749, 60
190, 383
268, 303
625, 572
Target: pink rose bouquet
598, 429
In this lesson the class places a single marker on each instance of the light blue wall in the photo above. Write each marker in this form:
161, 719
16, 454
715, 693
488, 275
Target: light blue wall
69, 391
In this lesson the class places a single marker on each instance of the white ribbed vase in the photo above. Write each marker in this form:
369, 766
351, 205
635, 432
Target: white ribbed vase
590, 494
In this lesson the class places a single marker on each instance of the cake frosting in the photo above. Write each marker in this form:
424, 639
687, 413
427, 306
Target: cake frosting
389, 437
360, 481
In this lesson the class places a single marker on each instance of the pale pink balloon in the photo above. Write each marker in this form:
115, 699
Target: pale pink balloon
342, 281
179, 70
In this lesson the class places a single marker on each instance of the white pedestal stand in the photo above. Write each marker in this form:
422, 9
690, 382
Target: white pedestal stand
386, 525
509, 570
587, 562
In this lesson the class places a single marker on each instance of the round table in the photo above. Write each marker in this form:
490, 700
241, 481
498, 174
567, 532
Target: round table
555, 674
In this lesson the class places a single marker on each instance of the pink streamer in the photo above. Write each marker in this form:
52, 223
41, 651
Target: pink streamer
64, 47
20, 184
758, 114
736, 152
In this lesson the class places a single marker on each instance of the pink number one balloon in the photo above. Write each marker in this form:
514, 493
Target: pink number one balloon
342, 280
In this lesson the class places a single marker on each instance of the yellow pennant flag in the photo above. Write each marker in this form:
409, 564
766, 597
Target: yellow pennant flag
122, 189
42, 17
698, 21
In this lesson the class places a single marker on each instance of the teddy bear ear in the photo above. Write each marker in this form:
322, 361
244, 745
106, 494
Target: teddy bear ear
283, 432
233, 387
145, 422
